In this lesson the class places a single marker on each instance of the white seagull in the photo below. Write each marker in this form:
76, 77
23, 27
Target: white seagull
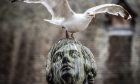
65, 17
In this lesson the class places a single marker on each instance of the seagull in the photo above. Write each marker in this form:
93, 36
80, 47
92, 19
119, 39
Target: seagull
72, 22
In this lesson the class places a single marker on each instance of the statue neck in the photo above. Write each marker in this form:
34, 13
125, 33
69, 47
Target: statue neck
69, 81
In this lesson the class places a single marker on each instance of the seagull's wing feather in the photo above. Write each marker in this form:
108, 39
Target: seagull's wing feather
44, 2
110, 9
58, 8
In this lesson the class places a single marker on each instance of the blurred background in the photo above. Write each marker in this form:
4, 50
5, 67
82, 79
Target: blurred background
25, 40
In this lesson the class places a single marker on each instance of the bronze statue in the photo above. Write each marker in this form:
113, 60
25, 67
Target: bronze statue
69, 62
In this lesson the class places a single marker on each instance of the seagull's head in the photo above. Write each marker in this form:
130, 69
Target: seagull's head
90, 14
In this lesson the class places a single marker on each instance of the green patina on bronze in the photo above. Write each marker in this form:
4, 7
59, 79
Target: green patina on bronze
69, 62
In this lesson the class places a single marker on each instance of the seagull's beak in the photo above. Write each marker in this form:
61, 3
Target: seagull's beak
92, 14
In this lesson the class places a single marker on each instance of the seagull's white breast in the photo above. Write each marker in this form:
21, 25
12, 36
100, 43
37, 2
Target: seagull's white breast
76, 23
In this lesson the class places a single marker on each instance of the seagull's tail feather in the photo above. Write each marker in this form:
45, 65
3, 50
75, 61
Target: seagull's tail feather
55, 22
28, 1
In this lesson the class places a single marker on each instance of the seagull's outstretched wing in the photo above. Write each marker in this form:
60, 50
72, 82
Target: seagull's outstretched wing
60, 8
110, 9
57, 8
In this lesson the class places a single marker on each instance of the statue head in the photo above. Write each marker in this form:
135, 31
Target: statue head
69, 62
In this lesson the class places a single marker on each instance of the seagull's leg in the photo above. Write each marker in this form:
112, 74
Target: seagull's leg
66, 32
72, 35
67, 35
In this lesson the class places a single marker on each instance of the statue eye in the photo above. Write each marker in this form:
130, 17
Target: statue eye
57, 57
73, 53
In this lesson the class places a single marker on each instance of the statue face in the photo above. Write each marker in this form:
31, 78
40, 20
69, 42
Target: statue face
68, 64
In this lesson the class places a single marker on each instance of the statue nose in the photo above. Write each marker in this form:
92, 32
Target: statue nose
66, 59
